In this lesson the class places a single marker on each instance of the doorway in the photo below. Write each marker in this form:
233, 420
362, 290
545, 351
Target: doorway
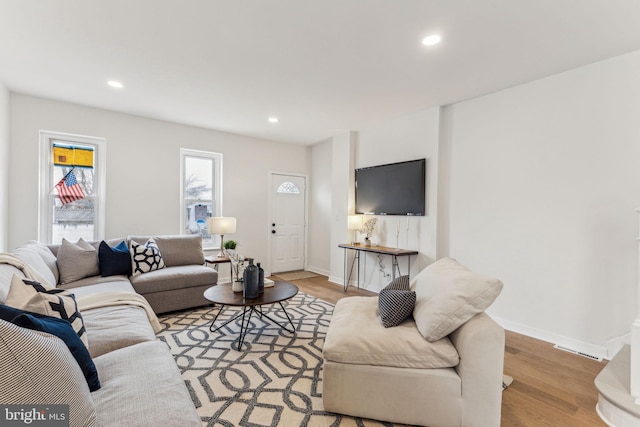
288, 199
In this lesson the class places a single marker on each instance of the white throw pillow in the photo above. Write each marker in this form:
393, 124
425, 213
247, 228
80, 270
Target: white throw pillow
145, 258
447, 295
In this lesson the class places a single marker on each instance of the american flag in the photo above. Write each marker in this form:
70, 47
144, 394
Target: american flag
68, 189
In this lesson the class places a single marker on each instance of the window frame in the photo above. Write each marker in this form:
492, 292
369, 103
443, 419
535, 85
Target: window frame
45, 167
216, 189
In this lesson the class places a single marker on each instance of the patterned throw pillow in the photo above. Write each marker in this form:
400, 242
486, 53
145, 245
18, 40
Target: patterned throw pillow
145, 258
38, 368
32, 296
399, 284
395, 306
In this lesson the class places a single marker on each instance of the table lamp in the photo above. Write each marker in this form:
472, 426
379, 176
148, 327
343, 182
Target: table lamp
354, 222
221, 225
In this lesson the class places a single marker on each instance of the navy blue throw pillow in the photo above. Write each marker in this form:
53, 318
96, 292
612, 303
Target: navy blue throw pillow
114, 261
60, 328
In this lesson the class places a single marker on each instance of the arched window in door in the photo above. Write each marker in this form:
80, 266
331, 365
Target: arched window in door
288, 188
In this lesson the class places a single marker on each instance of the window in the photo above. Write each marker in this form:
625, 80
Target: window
72, 186
288, 188
201, 191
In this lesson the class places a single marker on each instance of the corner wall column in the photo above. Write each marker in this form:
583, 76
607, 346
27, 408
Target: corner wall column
635, 341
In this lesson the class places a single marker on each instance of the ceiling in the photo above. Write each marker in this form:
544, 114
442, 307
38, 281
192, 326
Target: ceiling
321, 67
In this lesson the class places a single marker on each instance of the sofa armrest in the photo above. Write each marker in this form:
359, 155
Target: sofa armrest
480, 344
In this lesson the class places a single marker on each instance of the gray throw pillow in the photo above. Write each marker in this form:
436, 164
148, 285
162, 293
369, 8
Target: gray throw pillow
77, 261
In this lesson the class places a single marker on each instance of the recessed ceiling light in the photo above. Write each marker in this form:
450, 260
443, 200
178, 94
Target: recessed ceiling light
273, 120
115, 83
431, 40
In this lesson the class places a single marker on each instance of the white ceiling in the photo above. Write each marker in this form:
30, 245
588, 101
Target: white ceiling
320, 66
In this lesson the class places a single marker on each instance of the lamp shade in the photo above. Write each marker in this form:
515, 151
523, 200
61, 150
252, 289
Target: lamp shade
354, 222
221, 224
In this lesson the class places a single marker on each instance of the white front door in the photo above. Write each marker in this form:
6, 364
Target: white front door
287, 222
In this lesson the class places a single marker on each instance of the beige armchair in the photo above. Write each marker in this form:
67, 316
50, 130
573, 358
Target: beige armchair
395, 374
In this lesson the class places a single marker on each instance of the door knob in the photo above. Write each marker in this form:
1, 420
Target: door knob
273, 231
273, 224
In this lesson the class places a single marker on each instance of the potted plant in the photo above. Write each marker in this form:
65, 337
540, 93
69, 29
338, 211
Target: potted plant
230, 244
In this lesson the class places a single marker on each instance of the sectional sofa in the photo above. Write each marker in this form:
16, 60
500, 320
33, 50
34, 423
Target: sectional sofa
139, 382
177, 286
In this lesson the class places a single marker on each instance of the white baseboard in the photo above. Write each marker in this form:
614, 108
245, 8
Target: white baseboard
316, 270
336, 280
615, 344
562, 341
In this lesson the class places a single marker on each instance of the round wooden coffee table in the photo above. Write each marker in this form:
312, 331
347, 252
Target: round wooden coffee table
223, 295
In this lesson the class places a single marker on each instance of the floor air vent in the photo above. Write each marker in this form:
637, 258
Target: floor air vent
579, 353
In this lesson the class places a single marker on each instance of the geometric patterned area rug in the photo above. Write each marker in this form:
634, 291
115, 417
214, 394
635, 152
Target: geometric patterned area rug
276, 380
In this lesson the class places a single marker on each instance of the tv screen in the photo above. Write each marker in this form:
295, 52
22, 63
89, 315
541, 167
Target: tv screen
392, 189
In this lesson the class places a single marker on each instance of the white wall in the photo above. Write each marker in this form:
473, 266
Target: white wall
4, 168
143, 170
544, 180
342, 146
407, 138
318, 254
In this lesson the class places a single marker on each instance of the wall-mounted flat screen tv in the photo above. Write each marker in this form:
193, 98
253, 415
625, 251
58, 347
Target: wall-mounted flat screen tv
392, 189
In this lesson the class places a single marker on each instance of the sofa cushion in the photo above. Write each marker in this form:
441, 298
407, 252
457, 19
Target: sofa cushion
77, 261
32, 296
114, 260
447, 295
60, 328
39, 258
141, 386
356, 336
122, 285
54, 248
145, 257
181, 250
177, 249
114, 327
94, 280
38, 368
183, 276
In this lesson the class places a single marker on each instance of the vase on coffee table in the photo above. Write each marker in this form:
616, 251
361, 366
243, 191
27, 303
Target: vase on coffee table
237, 286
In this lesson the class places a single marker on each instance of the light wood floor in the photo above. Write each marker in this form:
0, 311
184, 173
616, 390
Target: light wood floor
550, 388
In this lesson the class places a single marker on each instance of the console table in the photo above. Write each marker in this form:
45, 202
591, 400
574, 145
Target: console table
382, 250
